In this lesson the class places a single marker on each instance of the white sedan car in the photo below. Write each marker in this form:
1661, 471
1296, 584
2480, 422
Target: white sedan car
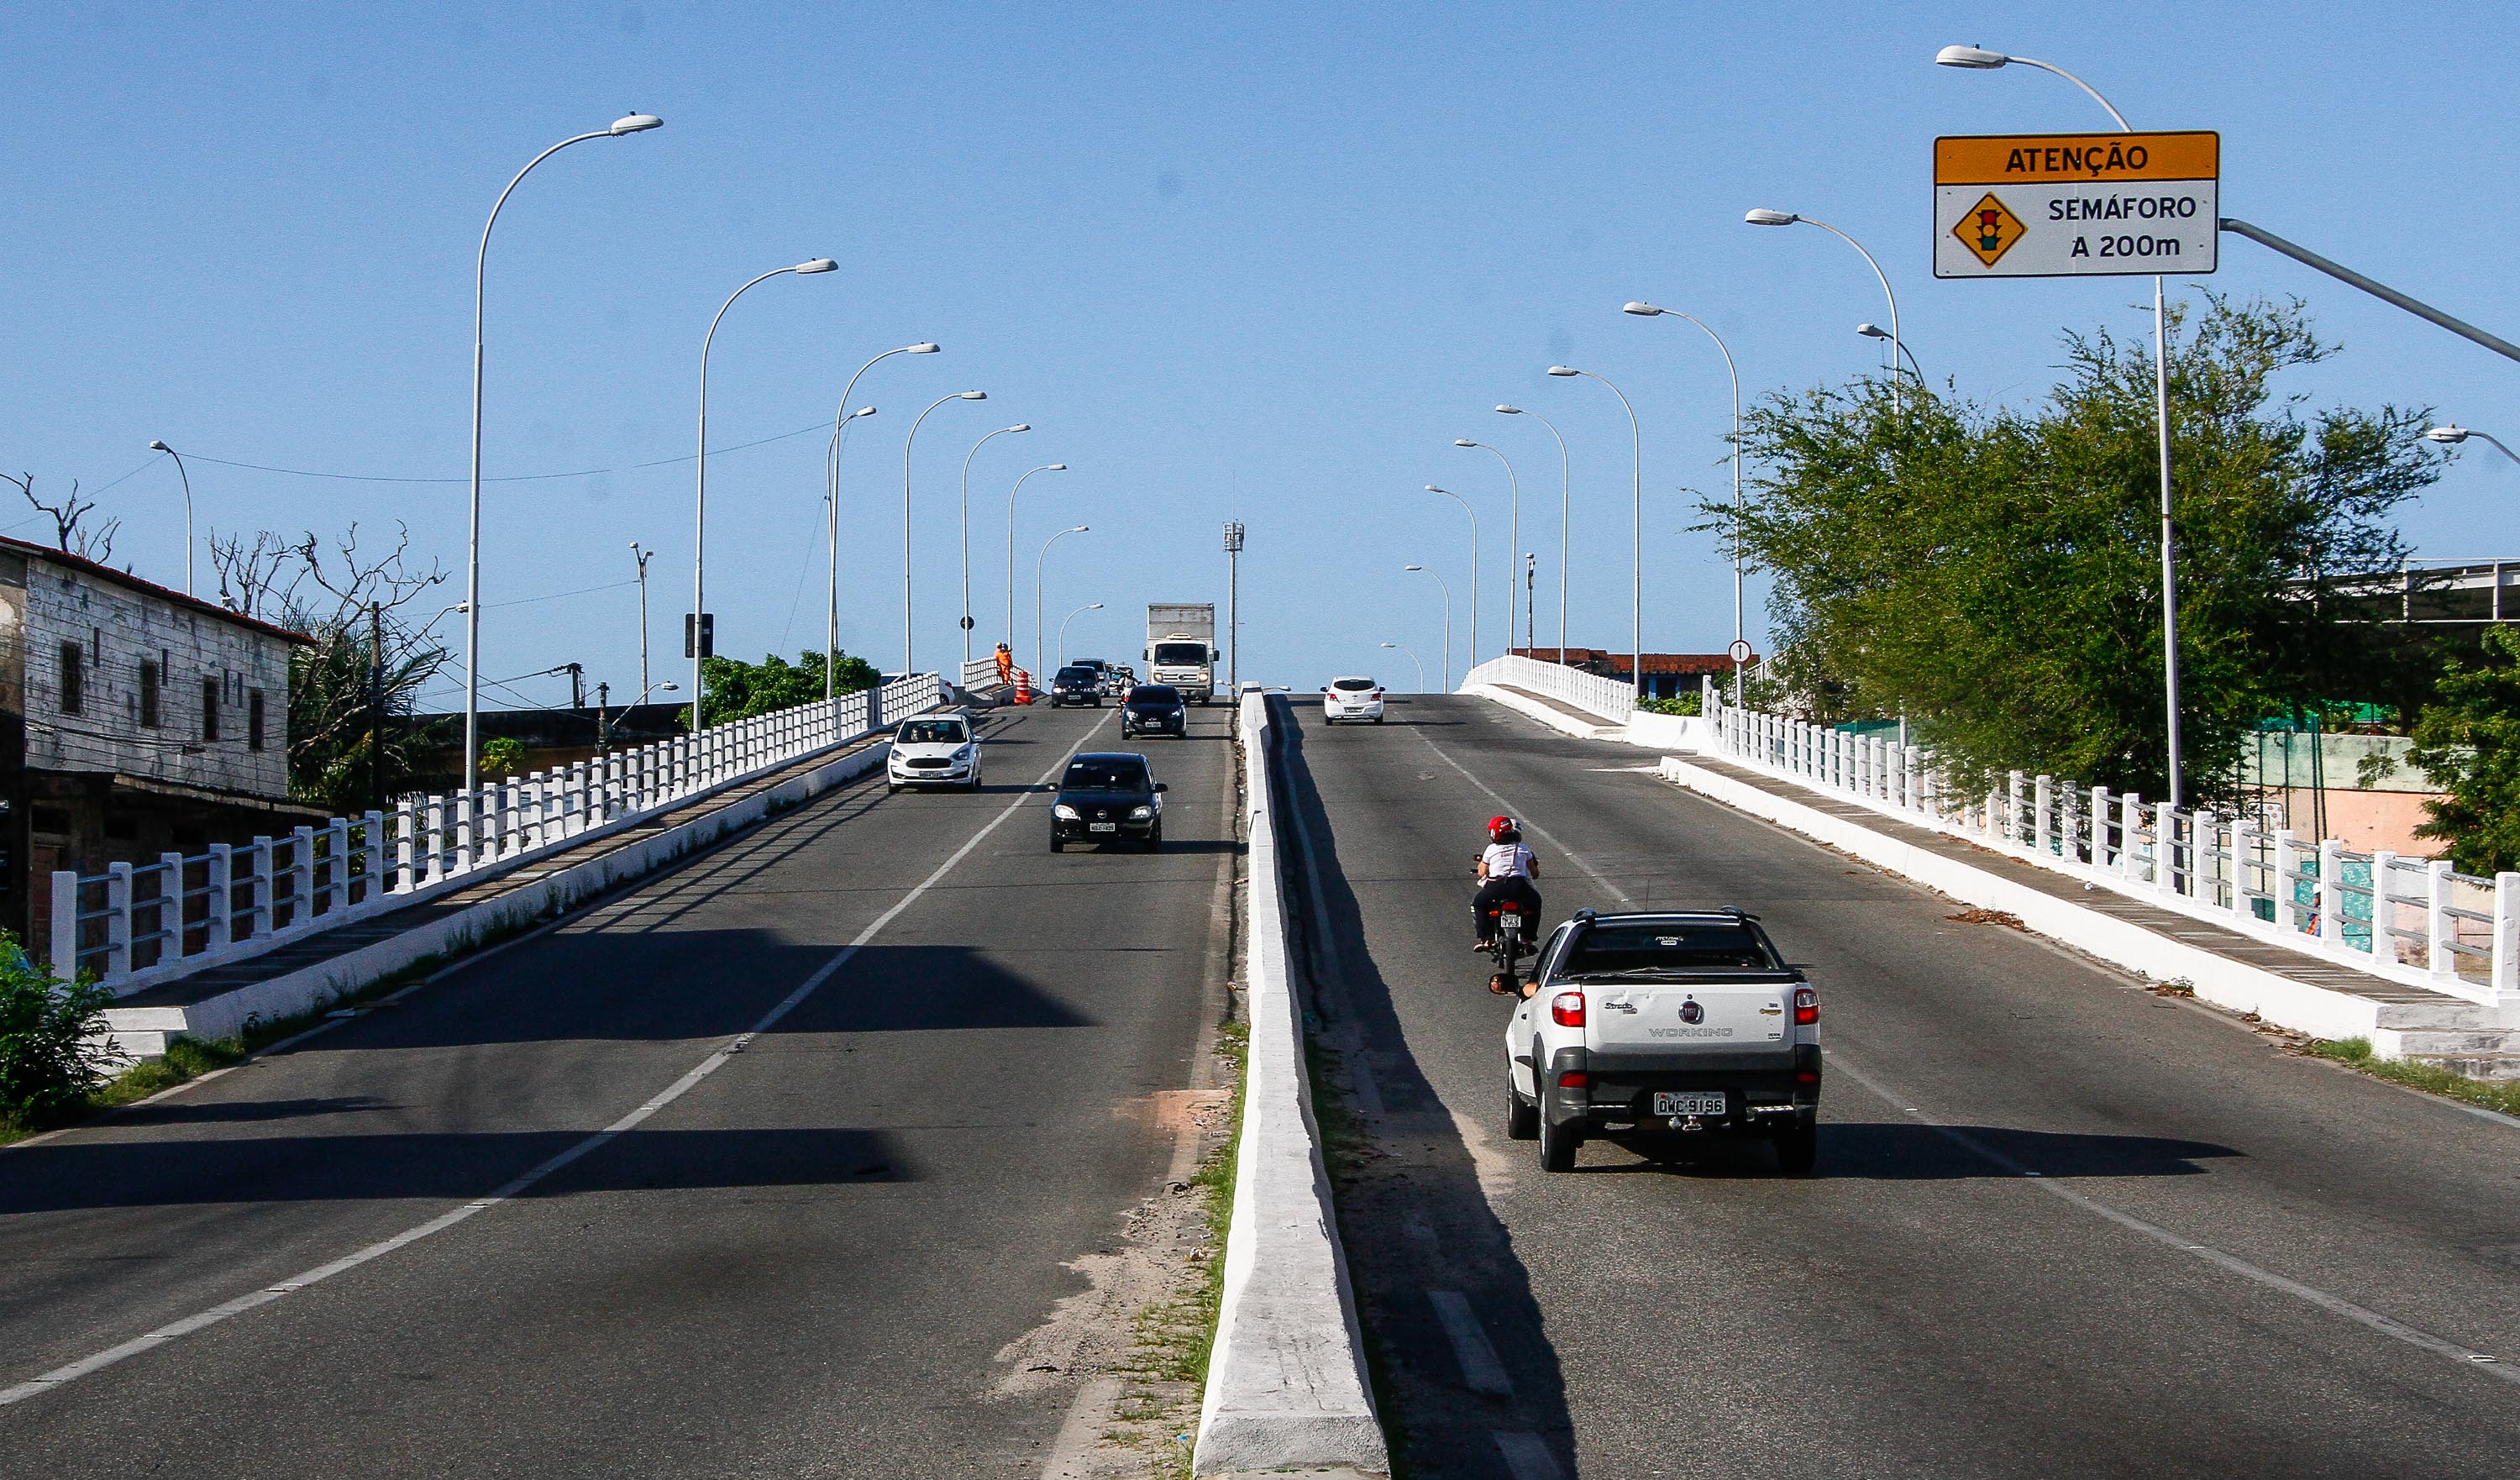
1352, 698
934, 750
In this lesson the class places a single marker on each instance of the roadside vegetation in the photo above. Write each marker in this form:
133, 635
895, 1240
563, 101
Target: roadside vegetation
1993, 572
2468, 743
2492, 1095
737, 689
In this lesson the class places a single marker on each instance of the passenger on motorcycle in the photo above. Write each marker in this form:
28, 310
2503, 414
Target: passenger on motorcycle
1506, 871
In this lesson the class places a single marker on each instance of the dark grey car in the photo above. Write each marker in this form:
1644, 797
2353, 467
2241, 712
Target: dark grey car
1153, 709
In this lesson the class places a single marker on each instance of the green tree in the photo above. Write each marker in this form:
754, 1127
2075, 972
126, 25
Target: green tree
737, 689
52, 1055
1994, 574
2469, 742
502, 756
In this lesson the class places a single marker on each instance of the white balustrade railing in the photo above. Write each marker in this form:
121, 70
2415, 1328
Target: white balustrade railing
2413, 920
1611, 699
979, 673
136, 924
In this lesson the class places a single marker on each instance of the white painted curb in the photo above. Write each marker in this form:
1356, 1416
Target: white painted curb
1285, 1382
2218, 979
325, 981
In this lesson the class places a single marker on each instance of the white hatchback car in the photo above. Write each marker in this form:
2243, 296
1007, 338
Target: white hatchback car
1352, 698
934, 750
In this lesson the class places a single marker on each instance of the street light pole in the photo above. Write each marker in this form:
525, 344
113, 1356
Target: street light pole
905, 444
1039, 650
1413, 659
841, 418
187, 510
1475, 572
634, 124
966, 528
1447, 624
1789, 218
2452, 435
1011, 548
1876, 332
1650, 311
832, 534
699, 488
1979, 60
642, 556
1565, 503
1071, 616
1513, 530
1636, 578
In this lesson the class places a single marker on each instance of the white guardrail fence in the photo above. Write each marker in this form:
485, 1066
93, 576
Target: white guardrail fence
1611, 699
979, 673
137, 924
2410, 921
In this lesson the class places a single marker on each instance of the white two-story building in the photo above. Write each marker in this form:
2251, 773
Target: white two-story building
134, 721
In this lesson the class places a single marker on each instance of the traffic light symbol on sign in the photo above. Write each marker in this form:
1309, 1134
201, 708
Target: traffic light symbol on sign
1989, 230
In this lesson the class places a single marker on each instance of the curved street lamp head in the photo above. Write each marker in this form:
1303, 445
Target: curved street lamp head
1091, 607
1643, 310
1973, 57
1565, 370
1054, 467
635, 123
863, 411
924, 346
818, 264
1432, 488
1077, 529
1873, 330
158, 446
2450, 436
669, 687
1017, 426
1413, 568
1463, 443
1390, 644
1769, 217
1510, 411
973, 395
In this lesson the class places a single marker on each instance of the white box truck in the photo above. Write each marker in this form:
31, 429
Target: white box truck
1181, 647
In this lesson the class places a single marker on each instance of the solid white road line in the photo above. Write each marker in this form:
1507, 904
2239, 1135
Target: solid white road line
2337, 1304
1481, 1372
21, 1392
1526, 1455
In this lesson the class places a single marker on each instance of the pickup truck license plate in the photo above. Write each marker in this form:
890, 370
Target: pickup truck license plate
1103, 826
1677, 1102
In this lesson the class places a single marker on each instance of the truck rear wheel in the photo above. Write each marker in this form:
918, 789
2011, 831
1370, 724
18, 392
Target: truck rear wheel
1521, 1116
1557, 1143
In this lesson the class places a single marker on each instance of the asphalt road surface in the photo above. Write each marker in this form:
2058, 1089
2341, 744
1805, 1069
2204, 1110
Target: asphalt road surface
802, 1264
2228, 1261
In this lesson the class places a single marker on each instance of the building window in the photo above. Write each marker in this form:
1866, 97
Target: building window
253, 720
73, 678
148, 694
209, 709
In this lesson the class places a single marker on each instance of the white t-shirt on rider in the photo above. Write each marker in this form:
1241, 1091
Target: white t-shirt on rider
1507, 860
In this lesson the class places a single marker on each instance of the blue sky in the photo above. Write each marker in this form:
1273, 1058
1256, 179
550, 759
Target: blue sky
1260, 262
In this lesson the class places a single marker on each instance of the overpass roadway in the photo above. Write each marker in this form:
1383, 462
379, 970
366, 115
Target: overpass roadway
802, 1262
2060, 1224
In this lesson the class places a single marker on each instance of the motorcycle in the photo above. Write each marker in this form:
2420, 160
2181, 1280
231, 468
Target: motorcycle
1506, 947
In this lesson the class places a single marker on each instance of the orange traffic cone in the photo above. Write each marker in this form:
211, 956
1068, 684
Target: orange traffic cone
1023, 687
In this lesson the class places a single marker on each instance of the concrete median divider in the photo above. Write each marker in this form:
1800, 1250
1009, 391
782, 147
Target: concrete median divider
1287, 1384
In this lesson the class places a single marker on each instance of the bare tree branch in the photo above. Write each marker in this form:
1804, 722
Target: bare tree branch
70, 529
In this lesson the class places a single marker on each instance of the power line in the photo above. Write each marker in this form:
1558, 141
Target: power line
520, 478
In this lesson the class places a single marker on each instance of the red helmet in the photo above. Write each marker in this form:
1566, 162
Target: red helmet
1498, 826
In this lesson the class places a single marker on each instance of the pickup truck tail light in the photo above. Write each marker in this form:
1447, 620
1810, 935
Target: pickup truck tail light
1567, 1008
1574, 1079
1806, 1006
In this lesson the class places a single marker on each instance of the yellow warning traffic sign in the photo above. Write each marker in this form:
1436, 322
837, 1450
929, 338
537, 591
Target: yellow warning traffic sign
1989, 230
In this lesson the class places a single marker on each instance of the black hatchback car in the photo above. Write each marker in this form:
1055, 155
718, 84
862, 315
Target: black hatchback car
1151, 708
1076, 684
1104, 797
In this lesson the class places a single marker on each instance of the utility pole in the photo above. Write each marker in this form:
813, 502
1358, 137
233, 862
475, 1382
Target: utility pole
603, 717
576, 684
1233, 607
375, 706
642, 556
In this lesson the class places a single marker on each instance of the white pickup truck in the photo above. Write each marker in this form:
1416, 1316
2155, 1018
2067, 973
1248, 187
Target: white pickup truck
1660, 1026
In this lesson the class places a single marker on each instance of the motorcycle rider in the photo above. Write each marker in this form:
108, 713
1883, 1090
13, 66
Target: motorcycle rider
1506, 871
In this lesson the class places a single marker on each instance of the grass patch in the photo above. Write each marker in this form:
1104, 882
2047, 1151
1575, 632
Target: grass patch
2431, 1078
